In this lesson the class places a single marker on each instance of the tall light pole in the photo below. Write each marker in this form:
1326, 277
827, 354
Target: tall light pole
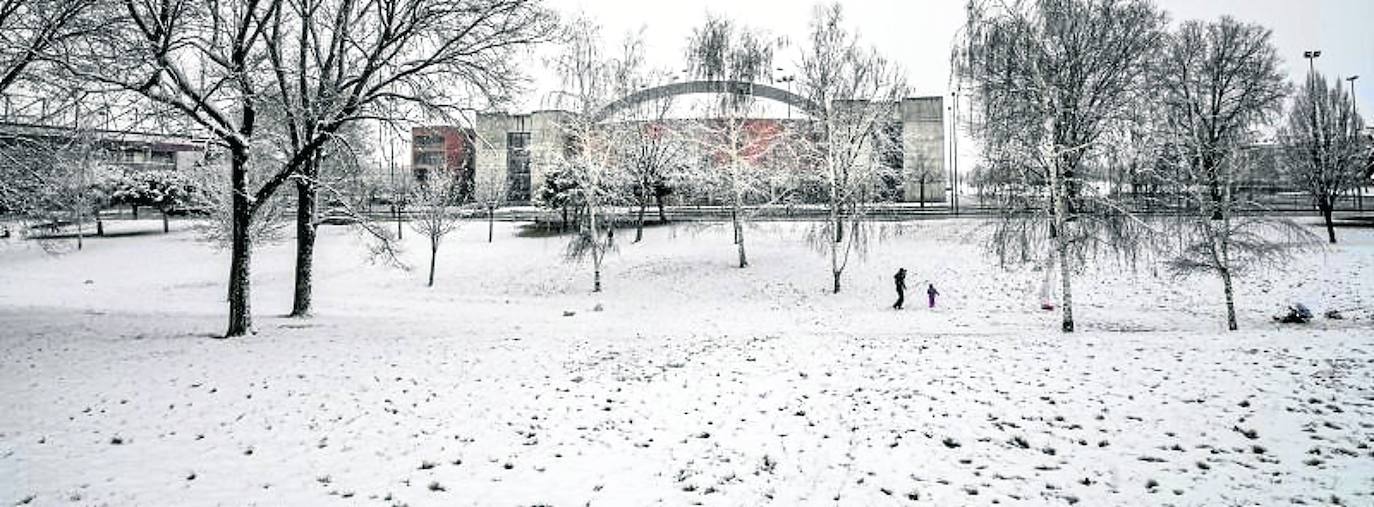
1316, 106
1355, 108
787, 80
954, 152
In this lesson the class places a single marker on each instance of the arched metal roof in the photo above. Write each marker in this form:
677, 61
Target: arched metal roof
695, 87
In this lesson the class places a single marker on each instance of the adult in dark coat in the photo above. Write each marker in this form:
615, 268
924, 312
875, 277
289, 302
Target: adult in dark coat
931, 292
900, 279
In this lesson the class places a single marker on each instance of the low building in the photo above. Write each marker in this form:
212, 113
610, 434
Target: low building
446, 149
522, 148
128, 150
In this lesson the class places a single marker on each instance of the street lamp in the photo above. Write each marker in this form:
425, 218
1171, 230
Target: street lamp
1353, 104
788, 81
1311, 55
1355, 108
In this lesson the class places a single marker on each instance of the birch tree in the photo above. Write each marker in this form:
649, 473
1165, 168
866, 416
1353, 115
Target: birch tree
720, 50
857, 92
1221, 82
649, 147
1322, 145
589, 159
1049, 78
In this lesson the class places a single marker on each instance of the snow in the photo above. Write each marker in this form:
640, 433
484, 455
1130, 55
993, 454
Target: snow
697, 382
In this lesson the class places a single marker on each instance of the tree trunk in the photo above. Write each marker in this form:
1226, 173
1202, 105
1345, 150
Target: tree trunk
433, 253
1326, 210
491, 222
596, 279
135, 209
662, 217
739, 238
1058, 191
166, 228
639, 223
1230, 300
240, 249
1064, 281
306, 197
835, 246
100, 226
396, 211
734, 223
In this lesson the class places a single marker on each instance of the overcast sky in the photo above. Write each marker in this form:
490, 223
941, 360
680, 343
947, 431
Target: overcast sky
918, 33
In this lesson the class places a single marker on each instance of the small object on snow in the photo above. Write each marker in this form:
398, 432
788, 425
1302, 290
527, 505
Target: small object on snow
1297, 314
1334, 315
569, 313
598, 307
88, 282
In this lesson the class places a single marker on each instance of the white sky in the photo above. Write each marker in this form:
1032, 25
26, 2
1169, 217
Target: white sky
918, 33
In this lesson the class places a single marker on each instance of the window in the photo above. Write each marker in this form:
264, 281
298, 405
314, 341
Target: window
428, 141
518, 166
432, 158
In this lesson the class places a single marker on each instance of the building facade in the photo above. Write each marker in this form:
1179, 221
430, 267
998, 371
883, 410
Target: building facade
124, 150
443, 150
521, 149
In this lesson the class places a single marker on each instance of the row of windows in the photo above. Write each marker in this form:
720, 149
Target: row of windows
160, 157
429, 158
423, 140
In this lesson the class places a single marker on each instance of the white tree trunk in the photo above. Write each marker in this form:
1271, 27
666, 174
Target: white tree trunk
1049, 152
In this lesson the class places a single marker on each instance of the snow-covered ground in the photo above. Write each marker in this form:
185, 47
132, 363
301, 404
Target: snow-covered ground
696, 382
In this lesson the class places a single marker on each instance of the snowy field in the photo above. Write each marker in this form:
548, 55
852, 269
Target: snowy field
696, 382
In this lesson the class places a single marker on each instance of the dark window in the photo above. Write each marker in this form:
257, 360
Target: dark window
518, 166
433, 158
429, 141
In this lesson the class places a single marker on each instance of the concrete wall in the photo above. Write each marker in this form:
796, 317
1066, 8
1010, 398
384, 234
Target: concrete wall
546, 143
923, 137
921, 118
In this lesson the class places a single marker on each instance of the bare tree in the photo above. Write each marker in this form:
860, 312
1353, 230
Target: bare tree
320, 64
489, 191
1050, 78
436, 213
1220, 82
34, 32
649, 148
589, 160
1215, 239
856, 92
1322, 144
337, 62
721, 51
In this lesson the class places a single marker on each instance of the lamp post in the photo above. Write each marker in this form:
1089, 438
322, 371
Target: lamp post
787, 81
1316, 105
1355, 108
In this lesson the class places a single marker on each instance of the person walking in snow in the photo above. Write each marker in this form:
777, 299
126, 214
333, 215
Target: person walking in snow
931, 293
900, 279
